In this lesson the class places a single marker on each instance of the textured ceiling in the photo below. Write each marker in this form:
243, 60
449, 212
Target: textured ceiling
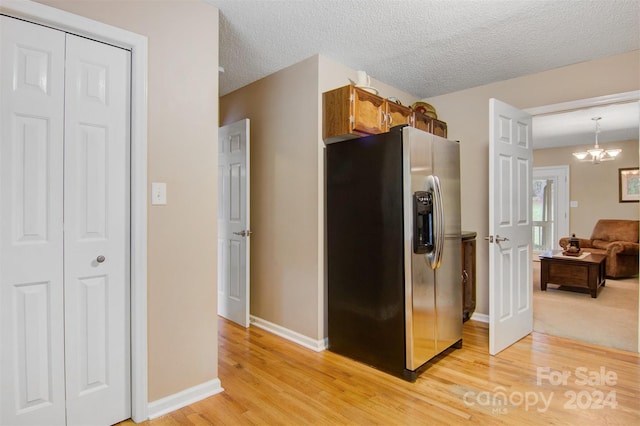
427, 47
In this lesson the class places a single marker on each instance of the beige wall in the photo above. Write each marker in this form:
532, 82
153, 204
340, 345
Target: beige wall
182, 140
594, 187
467, 115
283, 111
334, 74
287, 188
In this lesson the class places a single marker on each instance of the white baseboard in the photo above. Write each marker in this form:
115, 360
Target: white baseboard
294, 336
183, 398
480, 317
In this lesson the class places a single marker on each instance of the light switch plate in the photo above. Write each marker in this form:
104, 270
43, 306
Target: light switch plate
158, 193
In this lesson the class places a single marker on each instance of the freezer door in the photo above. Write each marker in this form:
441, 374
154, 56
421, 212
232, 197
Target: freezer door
365, 264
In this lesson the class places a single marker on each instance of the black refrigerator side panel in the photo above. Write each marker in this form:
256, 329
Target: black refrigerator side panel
365, 251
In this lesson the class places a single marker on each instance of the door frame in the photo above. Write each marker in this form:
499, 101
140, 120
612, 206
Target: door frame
632, 96
137, 44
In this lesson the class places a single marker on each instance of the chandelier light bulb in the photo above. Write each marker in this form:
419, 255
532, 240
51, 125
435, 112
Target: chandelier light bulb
613, 152
580, 155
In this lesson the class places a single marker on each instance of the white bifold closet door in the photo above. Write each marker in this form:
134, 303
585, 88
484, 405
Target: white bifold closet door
64, 228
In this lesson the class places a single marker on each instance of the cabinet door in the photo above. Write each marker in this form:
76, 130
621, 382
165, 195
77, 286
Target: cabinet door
368, 112
468, 278
397, 114
422, 122
439, 128
429, 124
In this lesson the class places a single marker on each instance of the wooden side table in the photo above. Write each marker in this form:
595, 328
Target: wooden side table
587, 272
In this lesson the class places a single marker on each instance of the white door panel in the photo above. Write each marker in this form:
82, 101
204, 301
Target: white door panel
510, 166
64, 316
96, 224
31, 238
233, 222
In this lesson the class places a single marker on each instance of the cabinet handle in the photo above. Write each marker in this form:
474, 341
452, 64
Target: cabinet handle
383, 118
390, 119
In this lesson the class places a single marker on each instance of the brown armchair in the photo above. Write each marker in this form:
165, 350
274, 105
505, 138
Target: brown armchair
618, 240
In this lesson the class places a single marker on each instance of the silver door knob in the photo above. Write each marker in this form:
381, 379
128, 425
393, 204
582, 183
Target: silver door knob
100, 259
498, 239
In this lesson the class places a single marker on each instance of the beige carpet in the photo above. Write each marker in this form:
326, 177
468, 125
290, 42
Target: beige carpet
611, 319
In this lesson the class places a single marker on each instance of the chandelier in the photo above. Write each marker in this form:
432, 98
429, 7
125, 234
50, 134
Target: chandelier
597, 154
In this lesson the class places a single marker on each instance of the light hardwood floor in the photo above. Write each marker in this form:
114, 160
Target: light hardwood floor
271, 381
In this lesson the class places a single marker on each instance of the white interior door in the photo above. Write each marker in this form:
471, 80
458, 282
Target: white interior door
233, 222
96, 208
31, 234
64, 342
510, 166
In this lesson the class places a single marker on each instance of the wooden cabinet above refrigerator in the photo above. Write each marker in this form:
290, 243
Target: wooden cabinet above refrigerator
350, 112
429, 124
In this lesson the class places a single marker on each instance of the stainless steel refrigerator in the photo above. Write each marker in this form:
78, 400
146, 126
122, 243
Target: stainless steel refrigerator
394, 249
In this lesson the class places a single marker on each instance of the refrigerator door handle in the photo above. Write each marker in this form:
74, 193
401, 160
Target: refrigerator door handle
435, 257
439, 222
